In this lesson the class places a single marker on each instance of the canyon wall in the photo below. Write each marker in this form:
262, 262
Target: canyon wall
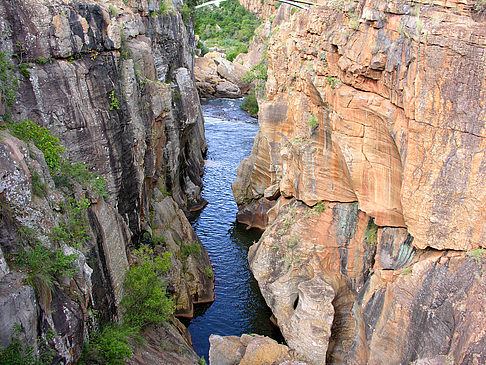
368, 176
114, 82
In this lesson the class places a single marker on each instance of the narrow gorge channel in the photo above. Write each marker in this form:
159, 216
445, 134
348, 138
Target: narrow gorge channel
239, 307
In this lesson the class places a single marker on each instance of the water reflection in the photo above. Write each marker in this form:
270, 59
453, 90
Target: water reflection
239, 307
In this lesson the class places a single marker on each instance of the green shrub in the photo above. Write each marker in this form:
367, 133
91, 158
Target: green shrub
257, 72
202, 47
145, 299
166, 7
371, 233
42, 60
158, 240
19, 354
42, 138
9, 82
38, 187
319, 207
43, 266
70, 172
312, 122
332, 81
114, 103
23, 68
109, 346
407, 271
187, 13
208, 271
113, 10
478, 254
64, 171
250, 103
190, 248
242, 48
73, 228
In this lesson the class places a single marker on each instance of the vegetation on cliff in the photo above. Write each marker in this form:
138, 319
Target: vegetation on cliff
250, 104
229, 27
77, 258
145, 302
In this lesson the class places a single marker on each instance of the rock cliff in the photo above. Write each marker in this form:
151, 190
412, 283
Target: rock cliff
113, 81
367, 175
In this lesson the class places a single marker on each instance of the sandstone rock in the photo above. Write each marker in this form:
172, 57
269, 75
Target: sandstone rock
373, 105
306, 262
118, 92
16, 185
255, 213
431, 311
227, 350
263, 350
114, 237
226, 89
233, 72
4, 270
217, 77
377, 109
247, 350
117, 139
206, 70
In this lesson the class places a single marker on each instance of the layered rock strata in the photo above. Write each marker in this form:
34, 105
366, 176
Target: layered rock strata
366, 174
114, 82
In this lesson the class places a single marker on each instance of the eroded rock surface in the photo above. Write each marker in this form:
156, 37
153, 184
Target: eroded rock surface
366, 174
114, 82
249, 350
191, 273
350, 115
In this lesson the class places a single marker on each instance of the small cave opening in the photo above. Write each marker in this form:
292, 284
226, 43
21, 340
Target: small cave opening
296, 302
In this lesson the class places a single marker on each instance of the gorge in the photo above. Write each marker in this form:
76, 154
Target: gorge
366, 177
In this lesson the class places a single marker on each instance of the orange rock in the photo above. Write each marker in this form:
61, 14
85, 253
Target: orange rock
399, 103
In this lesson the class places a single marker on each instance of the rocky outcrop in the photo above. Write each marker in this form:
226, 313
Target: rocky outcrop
191, 274
249, 350
136, 108
217, 77
114, 82
164, 345
368, 155
341, 294
366, 103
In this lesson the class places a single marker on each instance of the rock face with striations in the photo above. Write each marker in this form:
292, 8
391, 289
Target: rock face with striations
114, 82
367, 175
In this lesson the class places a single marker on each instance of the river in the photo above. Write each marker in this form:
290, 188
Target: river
239, 306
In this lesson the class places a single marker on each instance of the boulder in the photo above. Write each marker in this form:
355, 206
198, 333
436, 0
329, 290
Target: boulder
217, 77
248, 350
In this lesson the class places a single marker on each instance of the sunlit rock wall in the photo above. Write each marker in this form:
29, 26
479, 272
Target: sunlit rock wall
368, 176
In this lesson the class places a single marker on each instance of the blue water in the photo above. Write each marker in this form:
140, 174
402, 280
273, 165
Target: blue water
238, 307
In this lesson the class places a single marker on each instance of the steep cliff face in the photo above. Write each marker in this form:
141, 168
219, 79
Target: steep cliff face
114, 82
374, 115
